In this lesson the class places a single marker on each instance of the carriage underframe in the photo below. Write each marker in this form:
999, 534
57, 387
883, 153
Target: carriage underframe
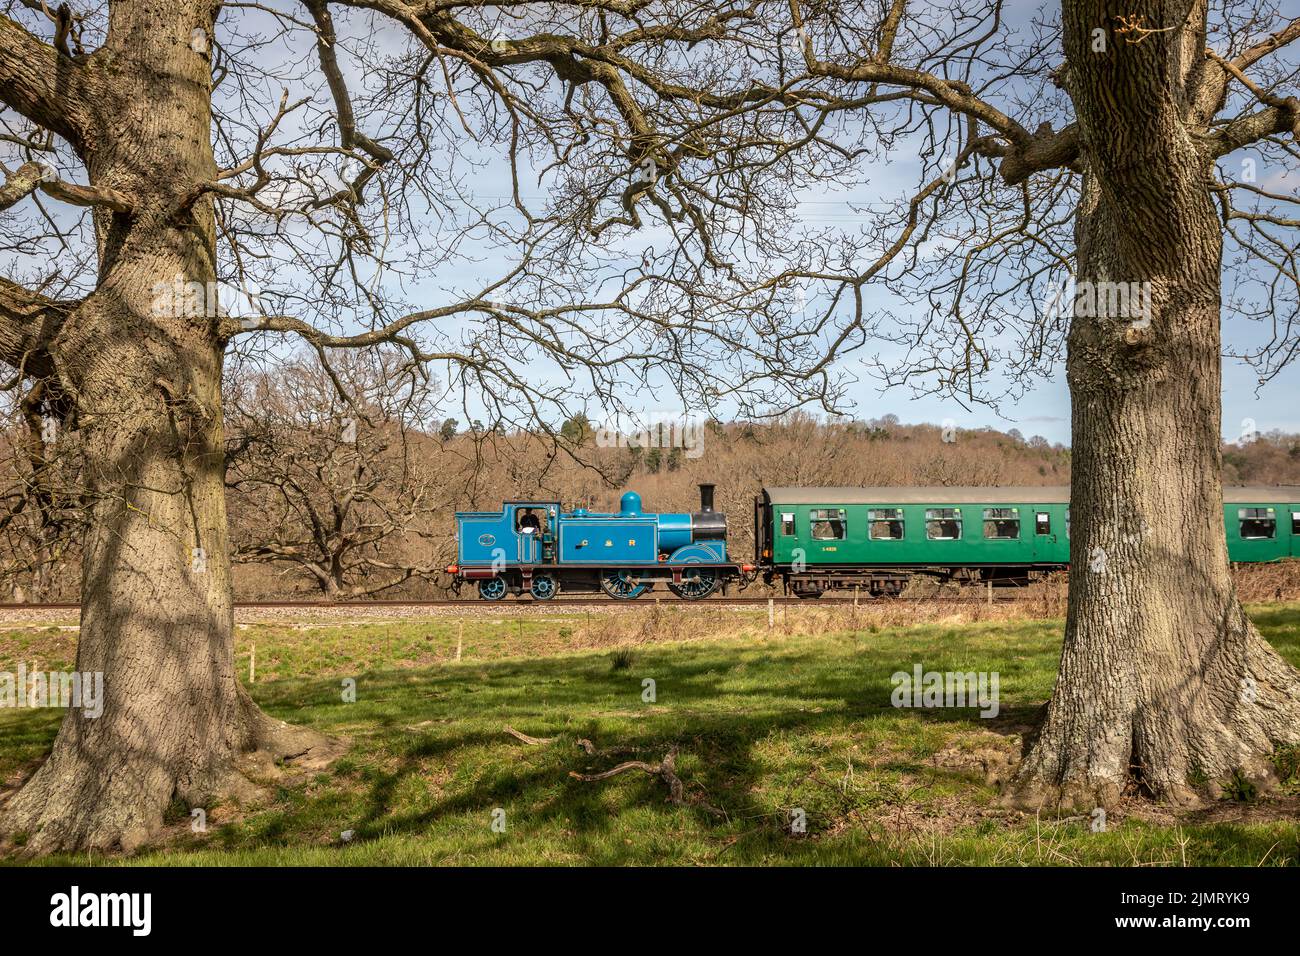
876, 581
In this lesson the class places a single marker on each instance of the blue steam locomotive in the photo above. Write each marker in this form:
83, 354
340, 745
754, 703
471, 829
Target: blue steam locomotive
535, 547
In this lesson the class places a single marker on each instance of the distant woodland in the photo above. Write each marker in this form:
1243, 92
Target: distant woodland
355, 500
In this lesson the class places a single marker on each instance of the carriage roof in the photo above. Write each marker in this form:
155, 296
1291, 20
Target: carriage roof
967, 494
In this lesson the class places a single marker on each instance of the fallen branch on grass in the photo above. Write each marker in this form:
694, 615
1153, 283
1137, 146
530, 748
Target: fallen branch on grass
582, 742
531, 741
666, 769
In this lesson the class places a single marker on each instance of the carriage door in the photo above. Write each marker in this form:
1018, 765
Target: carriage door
1294, 515
1044, 538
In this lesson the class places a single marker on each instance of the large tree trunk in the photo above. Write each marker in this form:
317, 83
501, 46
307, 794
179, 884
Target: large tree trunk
144, 367
1164, 682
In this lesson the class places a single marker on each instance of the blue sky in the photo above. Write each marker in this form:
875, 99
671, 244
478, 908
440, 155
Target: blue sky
1046, 410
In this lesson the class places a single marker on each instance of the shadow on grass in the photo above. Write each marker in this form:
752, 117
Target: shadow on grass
763, 726
716, 703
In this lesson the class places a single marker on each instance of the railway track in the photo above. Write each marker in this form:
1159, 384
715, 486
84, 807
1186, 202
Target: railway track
644, 602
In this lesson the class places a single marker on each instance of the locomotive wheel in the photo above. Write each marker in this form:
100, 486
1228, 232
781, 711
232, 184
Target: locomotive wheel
493, 589
544, 587
622, 585
699, 584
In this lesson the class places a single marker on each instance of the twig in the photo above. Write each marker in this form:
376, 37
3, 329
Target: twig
582, 742
666, 769
1133, 23
531, 741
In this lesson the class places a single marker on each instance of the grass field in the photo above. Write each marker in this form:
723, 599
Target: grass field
768, 727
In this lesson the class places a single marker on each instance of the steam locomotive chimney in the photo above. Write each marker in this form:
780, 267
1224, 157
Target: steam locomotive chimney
706, 497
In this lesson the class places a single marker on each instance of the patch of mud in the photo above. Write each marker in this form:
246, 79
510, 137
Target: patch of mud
1267, 809
988, 756
941, 816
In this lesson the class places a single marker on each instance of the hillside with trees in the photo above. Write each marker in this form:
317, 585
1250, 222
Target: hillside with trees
332, 500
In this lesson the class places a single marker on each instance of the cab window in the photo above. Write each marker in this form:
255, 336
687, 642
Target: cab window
943, 524
1001, 524
1256, 523
787, 523
827, 524
885, 524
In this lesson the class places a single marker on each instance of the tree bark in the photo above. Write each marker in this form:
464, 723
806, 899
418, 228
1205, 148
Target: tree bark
144, 367
1164, 682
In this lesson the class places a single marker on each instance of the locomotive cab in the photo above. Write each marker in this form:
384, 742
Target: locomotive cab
520, 533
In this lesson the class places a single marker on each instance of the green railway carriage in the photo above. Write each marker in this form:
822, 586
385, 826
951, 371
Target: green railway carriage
875, 539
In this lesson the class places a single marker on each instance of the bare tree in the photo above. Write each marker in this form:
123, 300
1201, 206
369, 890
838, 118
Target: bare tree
43, 509
327, 161
1122, 148
345, 492
330, 165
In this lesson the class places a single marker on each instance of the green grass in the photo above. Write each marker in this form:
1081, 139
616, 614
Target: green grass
764, 724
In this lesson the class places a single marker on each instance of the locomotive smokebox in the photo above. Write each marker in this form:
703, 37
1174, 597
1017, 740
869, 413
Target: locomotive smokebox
707, 524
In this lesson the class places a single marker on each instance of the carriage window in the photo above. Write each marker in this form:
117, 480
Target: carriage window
1002, 524
886, 524
1067, 524
1042, 523
787, 523
1295, 522
827, 524
1257, 522
943, 524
